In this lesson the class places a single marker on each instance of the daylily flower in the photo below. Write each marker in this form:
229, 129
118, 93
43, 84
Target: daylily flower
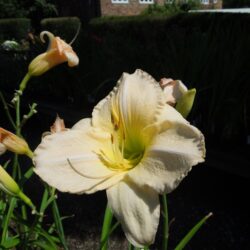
178, 95
13, 143
9, 186
135, 146
57, 53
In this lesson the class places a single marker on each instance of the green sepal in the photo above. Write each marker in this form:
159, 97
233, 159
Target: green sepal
185, 103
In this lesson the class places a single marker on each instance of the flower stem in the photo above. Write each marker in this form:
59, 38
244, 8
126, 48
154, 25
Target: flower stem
58, 220
165, 223
108, 216
24, 82
130, 246
5, 105
7, 220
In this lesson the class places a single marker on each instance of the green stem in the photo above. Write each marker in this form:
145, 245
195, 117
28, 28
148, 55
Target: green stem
130, 246
7, 111
165, 223
29, 115
108, 216
7, 220
24, 216
39, 217
24, 82
14, 167
18, 129
22, 87
110, 232
58, 221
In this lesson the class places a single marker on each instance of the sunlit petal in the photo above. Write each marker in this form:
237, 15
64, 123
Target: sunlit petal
137, 112
68, 161
170, 158
137, 209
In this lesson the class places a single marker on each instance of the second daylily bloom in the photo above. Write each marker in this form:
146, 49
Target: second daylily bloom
13, 143
135, 146
177, 94
57, 53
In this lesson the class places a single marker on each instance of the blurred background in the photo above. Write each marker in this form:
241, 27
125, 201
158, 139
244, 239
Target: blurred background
207, 51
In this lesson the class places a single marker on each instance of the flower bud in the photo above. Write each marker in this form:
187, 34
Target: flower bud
14, 143
185, 103
173, 89
58, 125
57, 53
178, 95
2, 149
9, 186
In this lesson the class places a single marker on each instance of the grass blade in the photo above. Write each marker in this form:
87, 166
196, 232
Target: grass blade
192, 232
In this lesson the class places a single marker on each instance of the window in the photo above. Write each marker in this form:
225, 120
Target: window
146, 1
215, 1
119, 1
169, 1
205, 2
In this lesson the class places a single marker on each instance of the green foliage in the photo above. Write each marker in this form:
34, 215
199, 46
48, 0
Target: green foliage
171, 8
206, 51
14, 28
236, 3
165, 10
21, 228
37, 9
189, 5
11, 8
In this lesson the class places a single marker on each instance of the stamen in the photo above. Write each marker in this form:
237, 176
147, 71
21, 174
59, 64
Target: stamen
76, 35
88, 176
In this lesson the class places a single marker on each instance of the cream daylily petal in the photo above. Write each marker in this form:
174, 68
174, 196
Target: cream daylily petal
137, 209
72, 58
170, 114
68, 161
101, 115
137, 112
170, 158
164, 120
83, 124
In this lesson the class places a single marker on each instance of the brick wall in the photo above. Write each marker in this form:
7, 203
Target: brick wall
127, 9
212, 5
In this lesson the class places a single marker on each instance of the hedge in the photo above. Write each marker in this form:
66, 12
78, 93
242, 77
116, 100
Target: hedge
208, 51
14, 28
65, 27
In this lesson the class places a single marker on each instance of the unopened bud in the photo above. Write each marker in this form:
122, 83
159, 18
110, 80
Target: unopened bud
185, 103
14, 143
9, 186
